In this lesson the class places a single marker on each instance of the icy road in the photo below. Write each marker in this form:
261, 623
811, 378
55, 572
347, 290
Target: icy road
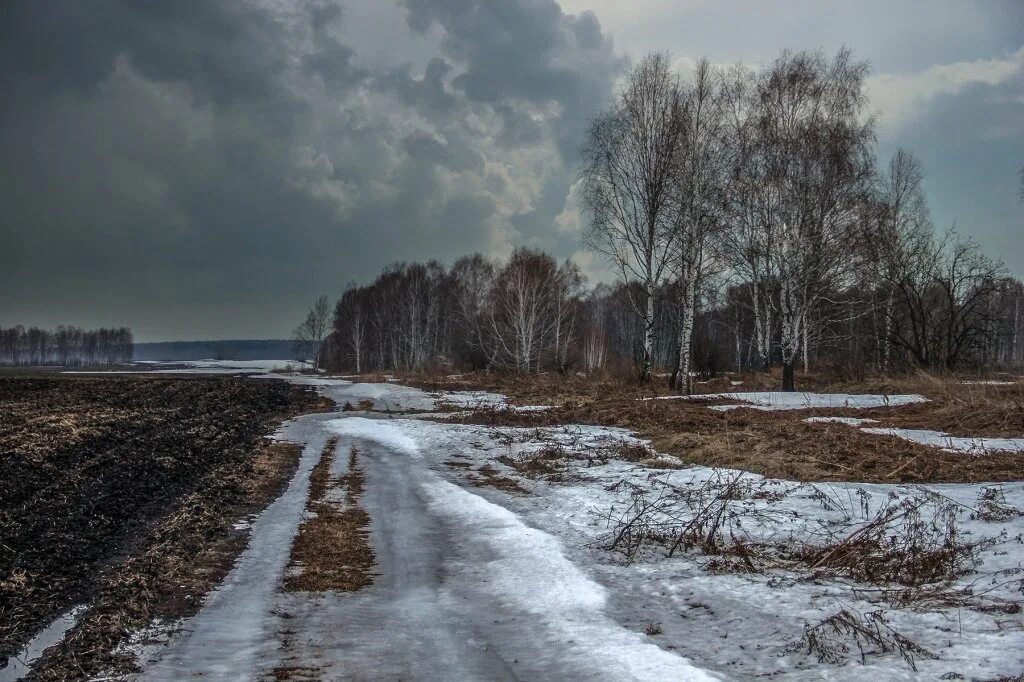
464, 589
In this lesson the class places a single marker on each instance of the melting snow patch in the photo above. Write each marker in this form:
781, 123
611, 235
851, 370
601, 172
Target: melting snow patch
849, 421
783, 400
261, 367
21, 664
376, 430
477, 399
991, 382
528, 569
975, 446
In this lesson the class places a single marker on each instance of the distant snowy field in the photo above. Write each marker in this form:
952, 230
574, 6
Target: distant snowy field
205, 367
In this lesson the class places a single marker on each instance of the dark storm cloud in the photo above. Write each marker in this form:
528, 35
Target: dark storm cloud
201, 169
527, 51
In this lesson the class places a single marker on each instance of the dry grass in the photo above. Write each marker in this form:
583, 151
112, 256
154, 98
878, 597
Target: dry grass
295, 672
780, 444
832, 639
332, 549
911, 551
489, 476
966, 410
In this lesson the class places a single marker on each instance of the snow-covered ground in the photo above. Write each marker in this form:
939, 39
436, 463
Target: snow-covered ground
849, 421
780, 400
973, 445
477, 583
970, 445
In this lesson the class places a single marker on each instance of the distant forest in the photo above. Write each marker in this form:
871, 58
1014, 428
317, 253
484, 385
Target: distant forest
750, 225
65, 346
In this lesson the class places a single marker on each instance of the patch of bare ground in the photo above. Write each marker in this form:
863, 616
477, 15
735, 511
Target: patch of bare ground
487, 475
189, 553
332, 549
121, 493
778, 444
990, 411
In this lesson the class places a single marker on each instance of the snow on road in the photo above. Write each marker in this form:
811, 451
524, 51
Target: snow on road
236, 628
476, 583
466, 590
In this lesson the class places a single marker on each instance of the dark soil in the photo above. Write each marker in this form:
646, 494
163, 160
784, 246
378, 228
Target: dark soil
101, 474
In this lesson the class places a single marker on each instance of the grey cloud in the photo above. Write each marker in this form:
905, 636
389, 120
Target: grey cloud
428, 94
174, 166
527, 51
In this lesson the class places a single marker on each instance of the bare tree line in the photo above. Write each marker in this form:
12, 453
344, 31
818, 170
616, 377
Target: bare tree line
520, 315
66, 346
749, 225
482, 314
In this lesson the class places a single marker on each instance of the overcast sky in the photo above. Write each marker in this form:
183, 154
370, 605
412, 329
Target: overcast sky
200, 170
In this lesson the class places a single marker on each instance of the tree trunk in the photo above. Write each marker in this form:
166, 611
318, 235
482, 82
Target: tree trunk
889, 303
788, 381
806, 348
681, 376
792, 316
645, 367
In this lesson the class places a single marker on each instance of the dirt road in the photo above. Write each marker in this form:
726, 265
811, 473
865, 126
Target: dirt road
463, 589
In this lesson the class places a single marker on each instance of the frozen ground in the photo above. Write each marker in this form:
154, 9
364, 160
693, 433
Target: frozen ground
477, 583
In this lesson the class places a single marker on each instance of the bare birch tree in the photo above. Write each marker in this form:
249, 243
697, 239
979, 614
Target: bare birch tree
630, 158
522, 311
699, 183
896, 238
749, 240
817, 150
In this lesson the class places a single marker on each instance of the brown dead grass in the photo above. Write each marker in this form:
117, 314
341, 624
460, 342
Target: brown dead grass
295, 672
780, 444
489, 476
332, 549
